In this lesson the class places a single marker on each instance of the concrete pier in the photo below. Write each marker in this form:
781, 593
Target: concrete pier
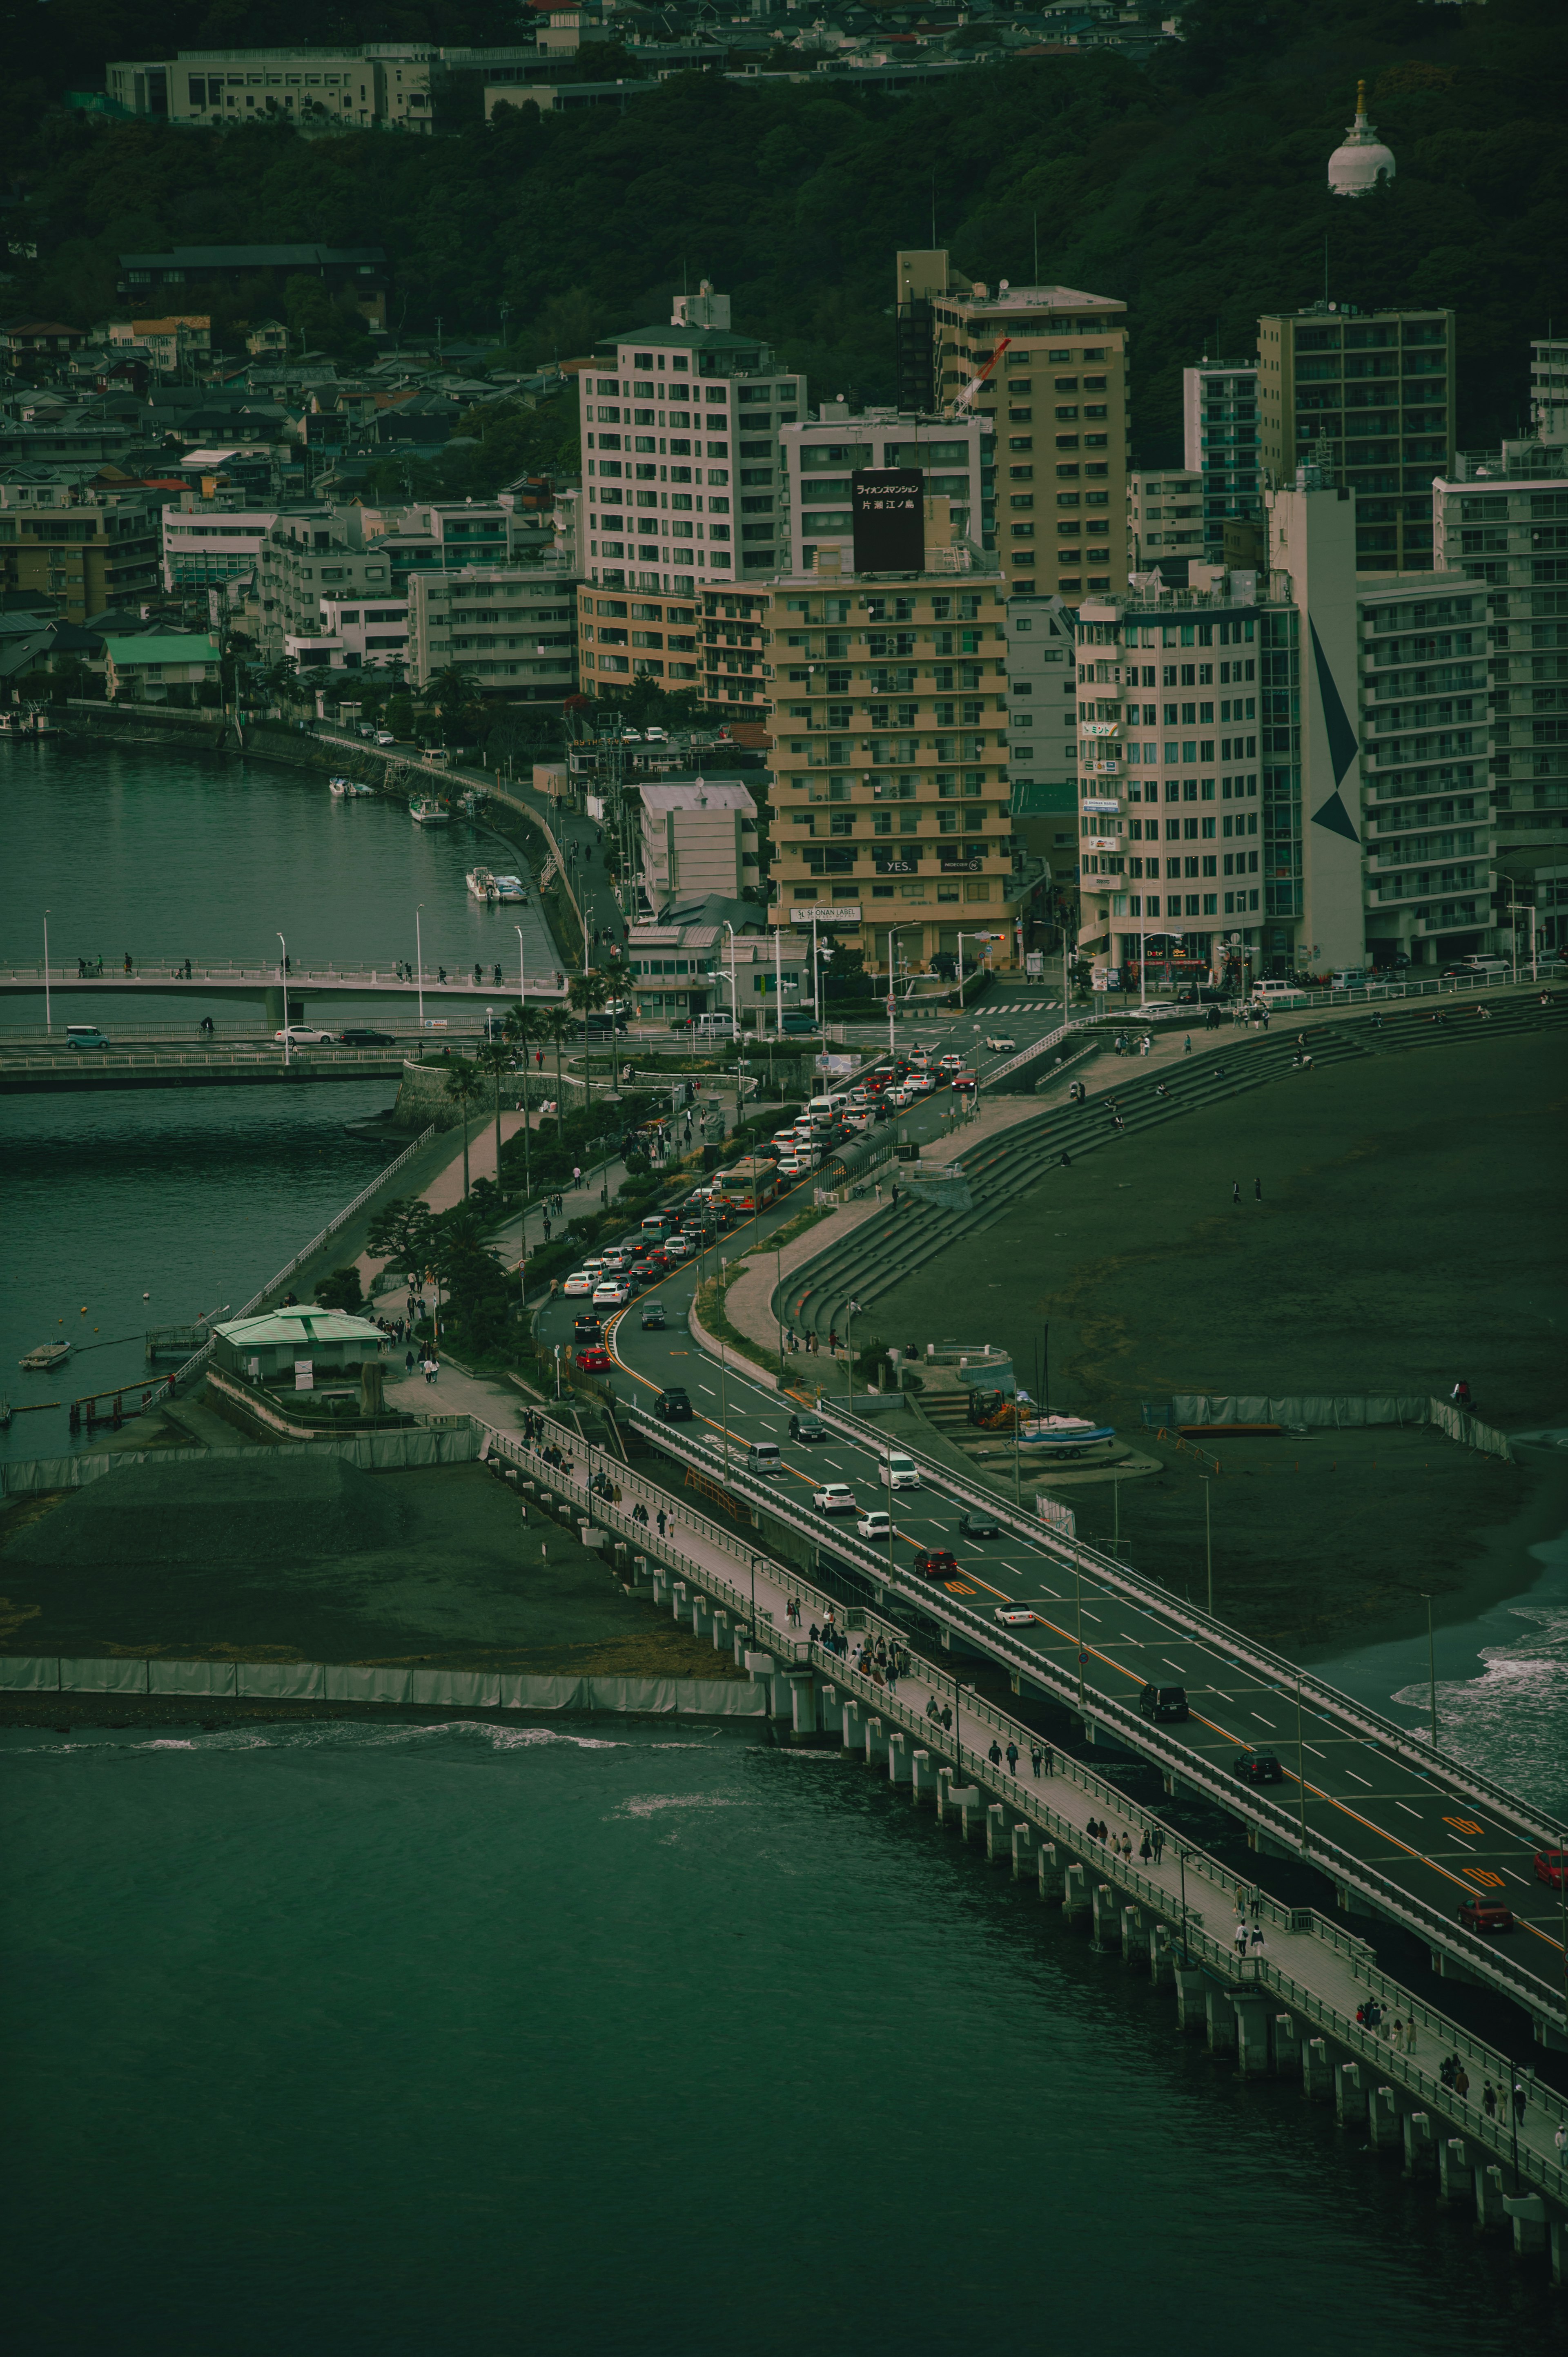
1527, 2211
1349, 2097
897, 1757
829, 1711
721, 1632
1105, 1914
680, 1600
1316, 2071
971, 1804
852, 1726
1051, 1869
1075, 1892
1252, 2035
1191, 1985
1134, 1939
876, 1743
803, 1700
1219, 2019
1383, 2118
702, 1615
1284, 2040
1419, 2144
1488, 2179
1023, 1852
998, 1836
1456, 2170
922, 1779
1163, 1953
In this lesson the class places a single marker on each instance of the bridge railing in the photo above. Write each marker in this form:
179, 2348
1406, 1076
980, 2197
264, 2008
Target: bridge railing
194, 1365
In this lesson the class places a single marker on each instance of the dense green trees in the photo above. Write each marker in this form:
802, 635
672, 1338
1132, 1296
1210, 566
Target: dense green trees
1194, 189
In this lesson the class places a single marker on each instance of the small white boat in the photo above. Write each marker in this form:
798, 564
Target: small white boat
1063, 1435
428, 812
47, 1355
482, 885
509, 887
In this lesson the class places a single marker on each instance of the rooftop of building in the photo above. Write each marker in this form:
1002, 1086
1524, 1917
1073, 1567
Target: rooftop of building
697, 792
1513, 462
1008, 297
704, 339
299, 1326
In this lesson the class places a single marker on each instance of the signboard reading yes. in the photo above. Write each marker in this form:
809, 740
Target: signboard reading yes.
889, 520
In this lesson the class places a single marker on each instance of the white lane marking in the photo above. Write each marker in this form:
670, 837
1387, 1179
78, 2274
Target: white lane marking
1408, 1809
1360, 1779
1170, 1664
1090, 1616
1314, 1751
1260, 1719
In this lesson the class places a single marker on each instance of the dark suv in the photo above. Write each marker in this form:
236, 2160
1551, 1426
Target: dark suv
1163, 1702
1258, 1767
806, 1428
935, 1562
673, 1406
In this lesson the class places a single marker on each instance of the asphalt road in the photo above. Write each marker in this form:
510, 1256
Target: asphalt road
1415, 1829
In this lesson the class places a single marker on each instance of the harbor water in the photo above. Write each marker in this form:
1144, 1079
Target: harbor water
607, 2037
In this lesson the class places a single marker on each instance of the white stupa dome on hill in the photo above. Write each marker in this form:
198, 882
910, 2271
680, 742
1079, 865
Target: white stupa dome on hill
1355, 169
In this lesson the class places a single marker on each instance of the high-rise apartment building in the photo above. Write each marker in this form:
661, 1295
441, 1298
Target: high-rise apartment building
1549, 388
956, 456
1368, 397
1059, 400
1219, 432
1165, 518
511, 625
669, 415
1503, 518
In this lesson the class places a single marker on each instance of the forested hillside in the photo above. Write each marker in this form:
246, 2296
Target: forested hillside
1195, 190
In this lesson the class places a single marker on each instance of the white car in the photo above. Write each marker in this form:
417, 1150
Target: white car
899, 1472
613, 1293
873, 1525
950, 1063
921, 1084
1002, 1047
1278, 994
919, 1057
1015, 1616
385, 737
578, 1283
678, 1247
835, 1498
301, 1035
594, 1268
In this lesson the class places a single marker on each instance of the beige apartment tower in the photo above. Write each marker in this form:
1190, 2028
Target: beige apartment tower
1058, 398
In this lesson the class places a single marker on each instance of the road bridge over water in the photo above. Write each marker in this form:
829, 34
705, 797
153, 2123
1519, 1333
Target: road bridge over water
411, 994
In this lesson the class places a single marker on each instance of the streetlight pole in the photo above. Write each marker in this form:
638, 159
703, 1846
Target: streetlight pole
419, 965
1078, 1607
1431, 1667
1300, 1762
849, 1355
522, 973
282, 977
1185, 1953
1207, 1543
753, 1601
724, 1381
48, 1015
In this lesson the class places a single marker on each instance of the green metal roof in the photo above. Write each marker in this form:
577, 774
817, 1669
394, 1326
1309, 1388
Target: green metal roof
186, 646
299, 1326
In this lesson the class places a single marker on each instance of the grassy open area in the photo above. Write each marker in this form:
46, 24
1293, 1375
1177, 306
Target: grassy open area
1409, 1233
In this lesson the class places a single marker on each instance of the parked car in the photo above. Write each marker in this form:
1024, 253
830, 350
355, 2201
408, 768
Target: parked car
1163, 1702
365, 1039
975, 1524
1484, 1916
305, 1035
84, 1035
806, 1429
1258, 1767
835, 1498
1014, 1616
799, 1026
578, 1283
594, 1359
673, 1406
936, 1563
874, 1523
653, 1318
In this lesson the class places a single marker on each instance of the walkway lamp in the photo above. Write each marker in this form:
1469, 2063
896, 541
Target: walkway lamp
282, 977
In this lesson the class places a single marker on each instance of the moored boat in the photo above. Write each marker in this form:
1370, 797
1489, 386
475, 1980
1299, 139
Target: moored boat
427, 811
340, 788
47, 1355
1063, 1434
482, 885
510, 888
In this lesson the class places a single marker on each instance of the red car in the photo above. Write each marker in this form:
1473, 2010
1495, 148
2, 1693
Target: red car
1482, 1915
936, 1563
1549, 1867
594, 1361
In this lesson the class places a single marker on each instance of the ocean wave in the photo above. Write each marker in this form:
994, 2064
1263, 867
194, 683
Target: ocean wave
1509, 1718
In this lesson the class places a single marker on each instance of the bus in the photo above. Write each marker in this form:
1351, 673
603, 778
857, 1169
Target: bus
747, 1186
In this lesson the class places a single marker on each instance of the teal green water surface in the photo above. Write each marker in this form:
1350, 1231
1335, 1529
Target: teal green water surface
630, 2038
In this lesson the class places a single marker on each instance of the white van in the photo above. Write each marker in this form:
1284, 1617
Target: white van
1278, 994
713, 1027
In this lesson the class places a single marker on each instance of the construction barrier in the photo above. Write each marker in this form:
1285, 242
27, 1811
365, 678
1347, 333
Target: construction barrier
1341, 1413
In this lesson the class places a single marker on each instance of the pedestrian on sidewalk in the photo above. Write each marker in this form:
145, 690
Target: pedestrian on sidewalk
1519, 2103
1145, 1847
1241, 1939
1489, 2100
659, 1518
1257, 1190
1012, 1758
1560, 2145
408, 1362
1462, 2082
1035, 1760
1127, 1848
995, 1754
1187, 1049
1410, 2035
1159, 1843
1257, 1939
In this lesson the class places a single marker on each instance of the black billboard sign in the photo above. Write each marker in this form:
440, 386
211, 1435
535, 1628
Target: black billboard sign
889, 520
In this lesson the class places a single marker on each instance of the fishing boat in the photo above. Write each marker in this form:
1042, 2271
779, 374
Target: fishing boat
428, 812
340, 788
510, 888
1063, 1436
482, 885
46, 1356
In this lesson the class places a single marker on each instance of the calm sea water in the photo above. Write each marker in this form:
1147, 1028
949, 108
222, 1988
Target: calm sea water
615, 2040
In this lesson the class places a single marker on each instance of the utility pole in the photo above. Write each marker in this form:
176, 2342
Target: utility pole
1431, 1666
1207, 1543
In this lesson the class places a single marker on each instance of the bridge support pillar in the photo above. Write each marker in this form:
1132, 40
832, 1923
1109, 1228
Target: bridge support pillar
679, 1599
1383, 2119
1419, 2144
876, 1742
1316, 2071
1162, 1955
1052, 1871
998, 1836
1285, 2044
1023, 1852
852, 1726
803, 1702
1134, 1944
1489, 2184
897, 1756
830, 1709
1456, 2181
782, 1703
1075, 1892
968, 1807
944, 1796
1557, 2243
661, 1587
1190, 1984
922, 1778
1252, 2035
277, 1011
1349, 2097
702, 1615
1527, 2211
1219, 2019
641, 1574
1105, 1915
721, 1632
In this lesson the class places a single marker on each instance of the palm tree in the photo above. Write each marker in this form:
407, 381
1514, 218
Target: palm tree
496, 1056
590, 994
523, 1032
555, 1025
464, 1084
